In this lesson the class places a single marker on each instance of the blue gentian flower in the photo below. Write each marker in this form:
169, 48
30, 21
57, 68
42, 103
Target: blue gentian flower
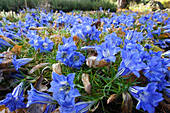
107, 51
147, 97
36, 42
36, 97
76, 30
84, 31
131, 63
19, 62
142, 20
47, 45
156, 67
113, 38
64, 91
67, 105
83, 107
65, 50
63, 86
31, 33
3, 43
15, 99
76, 59
132, 46
79, 107
67, 40
134, 36
94, 35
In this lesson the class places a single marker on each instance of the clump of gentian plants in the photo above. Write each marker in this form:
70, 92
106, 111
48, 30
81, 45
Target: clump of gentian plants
84, 60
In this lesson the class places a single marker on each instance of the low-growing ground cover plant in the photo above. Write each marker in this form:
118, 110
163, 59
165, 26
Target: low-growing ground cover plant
85, 61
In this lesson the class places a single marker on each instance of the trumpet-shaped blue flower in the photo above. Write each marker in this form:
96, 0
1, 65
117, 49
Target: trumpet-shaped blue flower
65, 50
156, 67
83, 107
76, 59
19, 62
79, 107
63, 86
142, 19
113, 38
147, 97
131, 63
107, 51
85, 31
15, 99
132, 46
36, 97
47, 45
36, 42
134, 35
3, 43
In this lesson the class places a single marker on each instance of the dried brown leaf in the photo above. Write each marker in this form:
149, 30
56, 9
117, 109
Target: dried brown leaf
7, 39
23, 110
111, 98
103, 63
91, 62
8, 61
16, 49
119, 32
165, 35
57, 68
37, 28
38, 83
4, 109
43, 88
75, 38
169, 68
86, 82
56, 38
38, 67
127, 104
5, 63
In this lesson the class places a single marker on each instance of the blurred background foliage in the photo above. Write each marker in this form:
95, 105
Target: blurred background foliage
65, 5
69, 5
